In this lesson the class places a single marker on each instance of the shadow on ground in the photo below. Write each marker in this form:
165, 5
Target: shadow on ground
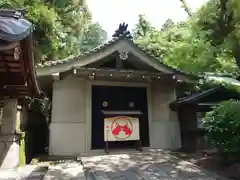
154, 164
37, 173
211, 162
65, 169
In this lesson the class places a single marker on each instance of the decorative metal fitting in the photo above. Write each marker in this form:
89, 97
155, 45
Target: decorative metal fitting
123, 55
17, 53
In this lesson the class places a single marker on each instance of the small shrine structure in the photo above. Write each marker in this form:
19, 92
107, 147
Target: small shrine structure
17, 80
117, 79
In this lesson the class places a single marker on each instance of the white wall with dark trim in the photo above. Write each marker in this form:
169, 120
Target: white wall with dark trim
70, 129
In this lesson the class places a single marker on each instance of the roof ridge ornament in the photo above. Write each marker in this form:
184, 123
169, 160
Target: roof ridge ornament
122, 31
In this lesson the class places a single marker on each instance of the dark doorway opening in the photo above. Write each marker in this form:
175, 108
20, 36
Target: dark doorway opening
115, 98
37, 135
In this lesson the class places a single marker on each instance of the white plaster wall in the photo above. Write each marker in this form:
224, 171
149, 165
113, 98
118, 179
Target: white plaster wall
70, 129
165, 129
68, 125
68, 139
69, 101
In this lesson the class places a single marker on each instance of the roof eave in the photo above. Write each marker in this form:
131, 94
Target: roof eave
106, 49
191, 99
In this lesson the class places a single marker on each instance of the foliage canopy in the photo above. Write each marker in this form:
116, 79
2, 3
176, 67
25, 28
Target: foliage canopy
208, 41
62, 27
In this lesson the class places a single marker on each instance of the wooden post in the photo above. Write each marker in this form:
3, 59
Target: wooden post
138, 145
106, 147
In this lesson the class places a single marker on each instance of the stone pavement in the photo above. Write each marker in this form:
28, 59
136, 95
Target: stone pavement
65, 170
149, 165
29, 172
152, 165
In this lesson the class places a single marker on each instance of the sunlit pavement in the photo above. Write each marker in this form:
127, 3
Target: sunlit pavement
29, 172
147, 165
150, 165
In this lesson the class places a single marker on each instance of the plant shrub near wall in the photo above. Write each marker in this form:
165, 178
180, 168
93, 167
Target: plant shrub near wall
22, 150
223, 127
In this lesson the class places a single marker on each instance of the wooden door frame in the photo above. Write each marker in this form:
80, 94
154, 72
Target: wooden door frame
109, 83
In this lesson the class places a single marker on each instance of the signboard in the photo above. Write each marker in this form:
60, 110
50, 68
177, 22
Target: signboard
121, 128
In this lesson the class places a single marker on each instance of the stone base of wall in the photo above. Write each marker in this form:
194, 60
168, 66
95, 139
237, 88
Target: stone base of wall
10, 151
67, 139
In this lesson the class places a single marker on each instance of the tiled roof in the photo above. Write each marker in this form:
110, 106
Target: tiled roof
12, 26
103, 47
222, 82
77, 57
195, 96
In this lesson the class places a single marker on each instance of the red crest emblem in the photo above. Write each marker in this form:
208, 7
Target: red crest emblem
121, 127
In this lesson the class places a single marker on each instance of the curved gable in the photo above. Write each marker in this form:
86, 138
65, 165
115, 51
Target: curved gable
115, 45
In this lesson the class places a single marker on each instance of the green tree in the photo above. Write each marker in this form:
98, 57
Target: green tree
143, 27
60, 26
92, 36
167, 25
223, 127
220, 19
206, 42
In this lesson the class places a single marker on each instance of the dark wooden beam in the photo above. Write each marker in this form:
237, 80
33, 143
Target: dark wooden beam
7, 58
27, 48
9, 90
24, 59
8, 52
119, 63
19, 73
11, 70
14, 86
8, 46
11, 65
5, 67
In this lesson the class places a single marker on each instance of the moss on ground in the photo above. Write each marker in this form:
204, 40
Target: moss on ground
22, 153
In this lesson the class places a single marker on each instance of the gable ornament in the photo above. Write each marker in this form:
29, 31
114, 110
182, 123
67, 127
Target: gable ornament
123, 55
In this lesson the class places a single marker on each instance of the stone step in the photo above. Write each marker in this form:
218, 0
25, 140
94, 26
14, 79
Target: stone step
10, 174
23, 173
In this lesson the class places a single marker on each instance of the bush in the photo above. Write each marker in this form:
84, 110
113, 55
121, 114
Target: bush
22, 150
223, 127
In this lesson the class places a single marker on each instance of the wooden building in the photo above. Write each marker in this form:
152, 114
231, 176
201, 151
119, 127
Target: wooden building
120, 78
191, 110
17, 80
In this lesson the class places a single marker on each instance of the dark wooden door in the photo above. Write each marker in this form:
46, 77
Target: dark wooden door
118, 99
